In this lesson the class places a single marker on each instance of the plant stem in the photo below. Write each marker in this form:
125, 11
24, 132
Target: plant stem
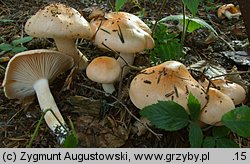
184, 25
159, 16
34, 135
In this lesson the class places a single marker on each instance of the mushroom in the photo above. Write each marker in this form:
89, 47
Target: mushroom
29, 73
229, 11
64, 24
123, 33
105, 70
235, 91
167, 81
218, 104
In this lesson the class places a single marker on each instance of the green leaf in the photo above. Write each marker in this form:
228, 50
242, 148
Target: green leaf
194, 107
167, 115
193, 19
195, 135
192, 5
192, 26
226, 143
238, 121
71, 141
22, 40
209, 142
19, 49
5, 47
220, 131
119, 4
167, 46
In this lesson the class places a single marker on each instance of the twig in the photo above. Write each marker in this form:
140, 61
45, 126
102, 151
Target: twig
126, 108
232, 73
220, 36
159, 16
184, 27
228, 44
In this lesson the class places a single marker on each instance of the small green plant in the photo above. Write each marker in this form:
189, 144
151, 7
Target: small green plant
219, 139
171, 116
15, 46
167, 45
71, 141
119, 4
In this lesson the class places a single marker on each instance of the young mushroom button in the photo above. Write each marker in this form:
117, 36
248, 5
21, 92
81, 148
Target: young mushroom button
123, 34
64, 24
104, 70
167, 81
29, 73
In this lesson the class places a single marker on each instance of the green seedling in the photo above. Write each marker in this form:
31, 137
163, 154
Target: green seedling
15, 46
167, 45
71, 140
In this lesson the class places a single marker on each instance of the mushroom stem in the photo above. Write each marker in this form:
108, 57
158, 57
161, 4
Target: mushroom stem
109, 88
229, 15
68, 47
124, 59
46, 101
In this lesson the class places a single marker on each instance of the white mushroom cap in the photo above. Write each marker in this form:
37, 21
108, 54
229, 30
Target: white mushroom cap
167, 81
25, 68
218, 104
235, 91
105, 70
121, 34
130, 17
58, 20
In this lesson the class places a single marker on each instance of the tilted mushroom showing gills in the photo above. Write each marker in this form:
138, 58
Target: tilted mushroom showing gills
29, 73
64, 24
105, 70
218, 104
121, 33
167, 81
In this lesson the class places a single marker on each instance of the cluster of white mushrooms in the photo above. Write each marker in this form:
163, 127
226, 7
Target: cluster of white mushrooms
30, 72
171, 80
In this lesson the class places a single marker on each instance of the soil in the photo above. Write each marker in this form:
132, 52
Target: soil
102, 120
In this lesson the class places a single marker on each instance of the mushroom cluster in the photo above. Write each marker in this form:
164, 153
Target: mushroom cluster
172, 81
123, 33
30, 72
